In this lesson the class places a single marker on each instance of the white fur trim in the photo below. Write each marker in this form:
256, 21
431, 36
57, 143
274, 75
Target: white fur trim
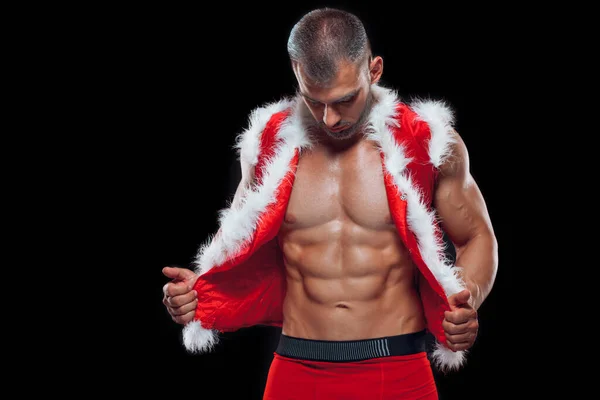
197, 339
238, 224
447, 360
248, 142
420, 220
440, 119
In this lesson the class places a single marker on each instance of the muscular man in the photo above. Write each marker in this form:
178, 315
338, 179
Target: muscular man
334, 232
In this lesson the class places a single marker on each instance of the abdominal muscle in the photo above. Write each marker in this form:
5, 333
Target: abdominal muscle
345, 282
349, 275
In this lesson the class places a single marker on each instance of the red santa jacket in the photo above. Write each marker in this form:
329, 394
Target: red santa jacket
242, 281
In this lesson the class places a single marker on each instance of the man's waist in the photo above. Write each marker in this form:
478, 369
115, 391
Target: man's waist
351, 320
352, 350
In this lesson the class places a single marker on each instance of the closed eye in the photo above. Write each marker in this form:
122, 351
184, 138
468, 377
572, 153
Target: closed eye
348, 101
343, 102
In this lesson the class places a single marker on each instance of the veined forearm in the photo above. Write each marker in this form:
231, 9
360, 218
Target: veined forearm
478, 260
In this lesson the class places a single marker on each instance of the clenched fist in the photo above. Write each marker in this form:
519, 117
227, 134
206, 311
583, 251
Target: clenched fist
179, 298
460, 323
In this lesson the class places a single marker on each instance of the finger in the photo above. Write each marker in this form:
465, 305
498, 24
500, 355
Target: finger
184, 309
459, 346
468, 337
183, 319
173, 289
461, 315
459, 299
181, 300
179, 274
453, 329
459, 329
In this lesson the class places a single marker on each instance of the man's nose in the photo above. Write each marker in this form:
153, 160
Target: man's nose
331, 117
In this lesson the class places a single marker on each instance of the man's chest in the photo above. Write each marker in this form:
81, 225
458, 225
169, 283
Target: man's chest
343, 187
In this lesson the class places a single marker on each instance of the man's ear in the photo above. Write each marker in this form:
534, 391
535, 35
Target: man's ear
375, 69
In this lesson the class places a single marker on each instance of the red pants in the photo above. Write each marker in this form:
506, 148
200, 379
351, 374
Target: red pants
384, 378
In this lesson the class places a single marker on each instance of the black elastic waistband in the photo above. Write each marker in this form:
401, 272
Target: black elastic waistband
352, 350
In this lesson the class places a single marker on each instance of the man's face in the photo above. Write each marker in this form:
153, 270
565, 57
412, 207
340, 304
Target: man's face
339, 107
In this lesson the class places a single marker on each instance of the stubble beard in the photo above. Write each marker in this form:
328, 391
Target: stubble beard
352, 130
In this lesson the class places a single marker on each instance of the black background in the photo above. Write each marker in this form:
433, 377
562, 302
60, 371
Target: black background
186, 81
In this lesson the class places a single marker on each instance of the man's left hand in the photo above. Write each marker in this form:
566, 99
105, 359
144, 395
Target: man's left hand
460, 323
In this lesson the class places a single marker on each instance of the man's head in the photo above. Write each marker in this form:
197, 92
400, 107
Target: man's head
331, 58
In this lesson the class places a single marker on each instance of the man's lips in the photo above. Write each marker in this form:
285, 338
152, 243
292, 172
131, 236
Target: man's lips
336, 130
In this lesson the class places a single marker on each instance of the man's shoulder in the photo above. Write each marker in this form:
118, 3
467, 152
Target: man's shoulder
247, 142
431, 123
411, 108
260, 115
428, 110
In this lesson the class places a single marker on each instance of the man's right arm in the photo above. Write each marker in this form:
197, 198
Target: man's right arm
178, 297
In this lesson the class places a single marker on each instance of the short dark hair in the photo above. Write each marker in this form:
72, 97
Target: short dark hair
324, 37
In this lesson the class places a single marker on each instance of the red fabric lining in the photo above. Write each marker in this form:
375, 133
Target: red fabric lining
232, 297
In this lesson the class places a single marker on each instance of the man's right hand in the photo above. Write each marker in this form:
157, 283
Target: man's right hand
179, 298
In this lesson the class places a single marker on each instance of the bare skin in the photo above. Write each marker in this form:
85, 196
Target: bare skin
349, 275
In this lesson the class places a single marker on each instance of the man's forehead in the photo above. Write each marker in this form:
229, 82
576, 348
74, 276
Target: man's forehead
346, 74
344, 86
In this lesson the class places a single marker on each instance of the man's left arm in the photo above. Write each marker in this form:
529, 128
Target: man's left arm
464, 217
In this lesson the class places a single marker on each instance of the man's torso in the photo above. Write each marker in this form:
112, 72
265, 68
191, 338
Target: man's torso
349, 276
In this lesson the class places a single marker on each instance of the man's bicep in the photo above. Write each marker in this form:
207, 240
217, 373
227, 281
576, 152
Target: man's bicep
458, 200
